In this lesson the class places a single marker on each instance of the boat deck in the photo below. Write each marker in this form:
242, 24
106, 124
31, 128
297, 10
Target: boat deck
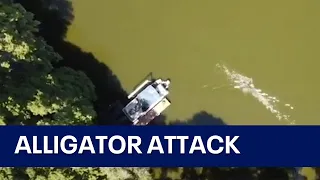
147, 102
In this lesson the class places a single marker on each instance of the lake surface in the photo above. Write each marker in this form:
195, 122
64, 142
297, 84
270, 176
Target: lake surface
277, 43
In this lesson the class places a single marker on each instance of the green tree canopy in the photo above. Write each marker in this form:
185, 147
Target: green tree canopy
32, 90
75, 173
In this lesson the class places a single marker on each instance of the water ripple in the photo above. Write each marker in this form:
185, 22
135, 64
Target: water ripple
245, 84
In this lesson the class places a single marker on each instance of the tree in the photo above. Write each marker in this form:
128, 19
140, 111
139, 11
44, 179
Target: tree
230, 173
32, 90
75, 173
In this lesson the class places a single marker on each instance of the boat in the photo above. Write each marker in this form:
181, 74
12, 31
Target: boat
147, 101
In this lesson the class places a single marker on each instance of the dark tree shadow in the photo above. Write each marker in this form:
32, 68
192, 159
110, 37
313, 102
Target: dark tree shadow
107, 85
55, 17
200, 118
317, 169
159, 120
274, 173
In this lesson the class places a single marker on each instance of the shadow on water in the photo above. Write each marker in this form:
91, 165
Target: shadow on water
200, 118
317, 170
55, 17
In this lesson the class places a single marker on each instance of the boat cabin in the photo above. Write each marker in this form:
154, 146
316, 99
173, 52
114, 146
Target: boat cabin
148, 101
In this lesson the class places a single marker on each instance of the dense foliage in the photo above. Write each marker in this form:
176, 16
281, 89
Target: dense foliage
74, 173
229, 173
32, 91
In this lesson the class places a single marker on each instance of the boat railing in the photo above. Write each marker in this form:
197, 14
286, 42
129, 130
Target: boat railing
147, 79
137, 89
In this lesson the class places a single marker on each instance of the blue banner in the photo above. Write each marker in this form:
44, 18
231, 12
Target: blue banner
160, 146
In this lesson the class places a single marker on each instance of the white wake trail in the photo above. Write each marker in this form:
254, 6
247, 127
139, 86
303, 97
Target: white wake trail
245, 84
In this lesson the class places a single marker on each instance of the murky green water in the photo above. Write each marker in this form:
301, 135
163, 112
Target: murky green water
277, 43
